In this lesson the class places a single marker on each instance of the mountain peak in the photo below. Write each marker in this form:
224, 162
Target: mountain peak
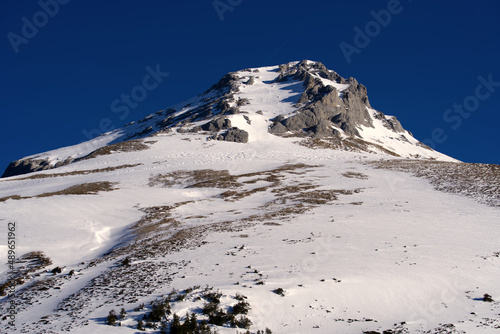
300, 99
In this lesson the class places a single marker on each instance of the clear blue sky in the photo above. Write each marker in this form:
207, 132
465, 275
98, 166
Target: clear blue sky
64, 77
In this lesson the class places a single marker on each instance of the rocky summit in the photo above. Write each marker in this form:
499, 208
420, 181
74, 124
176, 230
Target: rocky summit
299, 99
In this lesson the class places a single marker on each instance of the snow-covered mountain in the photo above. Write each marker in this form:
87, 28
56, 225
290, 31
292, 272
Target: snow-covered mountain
279, 199
302, 99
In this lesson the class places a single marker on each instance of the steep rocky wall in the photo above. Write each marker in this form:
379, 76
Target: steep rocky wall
320, 107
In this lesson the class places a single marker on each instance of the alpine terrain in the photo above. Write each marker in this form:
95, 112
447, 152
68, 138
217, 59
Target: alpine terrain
278, 201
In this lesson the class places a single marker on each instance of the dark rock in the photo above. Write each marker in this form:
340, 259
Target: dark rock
216, 125
320, 104
277, 129
395, 124
242, 102
229, 82
234, 135
390, 123
251, 81
323, 130
25, 166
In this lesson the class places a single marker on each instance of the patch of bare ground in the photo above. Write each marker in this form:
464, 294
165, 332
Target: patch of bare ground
126, 146
272, 224
196, 217
355, 175
25, 265
346, 144
92, 188
78, 172
14, 197
209, 178
478, 181
204, 178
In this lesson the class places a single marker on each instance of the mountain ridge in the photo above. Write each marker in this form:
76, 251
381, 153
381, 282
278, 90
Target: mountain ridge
319, 104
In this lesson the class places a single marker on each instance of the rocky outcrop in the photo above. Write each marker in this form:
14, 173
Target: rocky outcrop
322, 108
25, 166
216, 125
227, 83
28, 165
390, 122
233, 135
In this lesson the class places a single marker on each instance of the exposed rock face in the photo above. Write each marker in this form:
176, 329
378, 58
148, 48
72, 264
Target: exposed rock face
322, 109
217, 125
225, 84
395, 124
25, 166
234, 135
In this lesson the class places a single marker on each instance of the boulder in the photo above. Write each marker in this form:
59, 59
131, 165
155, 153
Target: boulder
234, 135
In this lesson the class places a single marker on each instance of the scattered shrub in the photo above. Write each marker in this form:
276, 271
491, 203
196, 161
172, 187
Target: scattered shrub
240, 297
158, 310
218, 318
123, 313
487, 298
112, 317
242, 307
243, 322
213, 297
209, 308
279, 291
56, 270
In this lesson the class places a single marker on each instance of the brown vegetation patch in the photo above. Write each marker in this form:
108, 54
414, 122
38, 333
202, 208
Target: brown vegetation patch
15, 197
78, 172
355, 175
204, 178
233, 195
209, 178
80, 189
294, 189
155, 220
126, 146
92, 188
318, 197
196, 217
272, 224
347, 144
25, 265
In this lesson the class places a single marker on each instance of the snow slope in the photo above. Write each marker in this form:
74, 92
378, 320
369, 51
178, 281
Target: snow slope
380, 248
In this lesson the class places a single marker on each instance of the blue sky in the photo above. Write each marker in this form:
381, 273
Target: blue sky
420, 61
